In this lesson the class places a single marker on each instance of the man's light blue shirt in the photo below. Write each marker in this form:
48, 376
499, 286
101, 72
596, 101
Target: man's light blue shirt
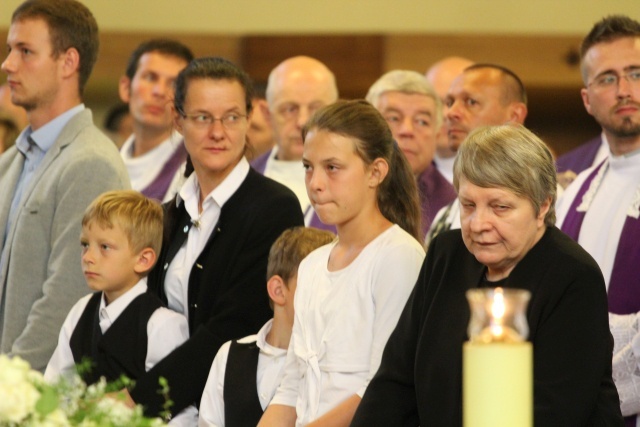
43, 139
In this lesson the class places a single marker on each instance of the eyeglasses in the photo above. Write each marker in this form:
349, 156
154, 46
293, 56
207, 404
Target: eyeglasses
611, 80
201, 120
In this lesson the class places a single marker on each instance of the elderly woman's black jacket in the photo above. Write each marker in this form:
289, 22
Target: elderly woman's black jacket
227, 286
420, 378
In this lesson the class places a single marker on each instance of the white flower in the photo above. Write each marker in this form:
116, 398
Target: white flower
56, 418
18, 396
26, 400
118, 412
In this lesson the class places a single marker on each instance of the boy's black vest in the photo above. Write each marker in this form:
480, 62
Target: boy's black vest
241, 402
122, 350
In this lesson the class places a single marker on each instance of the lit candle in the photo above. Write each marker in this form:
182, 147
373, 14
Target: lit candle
497, 361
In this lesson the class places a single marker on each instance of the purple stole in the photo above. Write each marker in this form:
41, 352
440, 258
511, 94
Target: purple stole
624, 285
160, 185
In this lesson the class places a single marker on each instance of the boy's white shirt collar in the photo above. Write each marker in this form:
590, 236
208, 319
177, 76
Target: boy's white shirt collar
111, 312
261, 340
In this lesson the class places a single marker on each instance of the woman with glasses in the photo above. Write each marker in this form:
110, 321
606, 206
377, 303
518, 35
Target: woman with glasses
218, 231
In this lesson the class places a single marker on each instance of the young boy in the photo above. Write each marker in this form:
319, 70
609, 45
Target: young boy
230, 396
121, 328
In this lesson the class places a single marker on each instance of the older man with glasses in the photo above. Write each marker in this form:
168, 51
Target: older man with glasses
296, 88
601, 208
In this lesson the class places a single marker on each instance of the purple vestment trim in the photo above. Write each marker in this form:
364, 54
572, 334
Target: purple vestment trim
160, 185
624, 285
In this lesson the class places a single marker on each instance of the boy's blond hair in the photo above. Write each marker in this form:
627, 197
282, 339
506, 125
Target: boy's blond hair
137, 216
292, 247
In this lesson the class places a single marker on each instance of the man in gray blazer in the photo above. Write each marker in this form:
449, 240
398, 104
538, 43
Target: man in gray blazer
59, 164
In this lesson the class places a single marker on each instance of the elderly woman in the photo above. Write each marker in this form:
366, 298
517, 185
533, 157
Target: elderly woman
506, 184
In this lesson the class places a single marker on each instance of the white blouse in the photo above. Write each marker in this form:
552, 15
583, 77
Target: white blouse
343, 320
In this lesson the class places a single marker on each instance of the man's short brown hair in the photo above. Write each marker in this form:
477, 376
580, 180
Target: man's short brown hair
71, 25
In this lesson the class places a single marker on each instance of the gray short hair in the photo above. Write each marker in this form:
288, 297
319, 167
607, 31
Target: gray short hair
405, 81
509, 157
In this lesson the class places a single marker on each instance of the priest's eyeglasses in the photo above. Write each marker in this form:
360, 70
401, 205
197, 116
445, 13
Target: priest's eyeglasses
611, 80
229, 121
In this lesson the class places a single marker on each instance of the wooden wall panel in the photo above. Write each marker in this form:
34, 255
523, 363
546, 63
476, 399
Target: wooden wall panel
356, 61
538, 60
115, 49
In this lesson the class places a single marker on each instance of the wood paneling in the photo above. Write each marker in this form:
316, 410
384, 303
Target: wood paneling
356, 61
538, 60
115, 49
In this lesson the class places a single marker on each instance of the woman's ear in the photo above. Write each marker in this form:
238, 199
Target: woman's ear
544, 209
379, 170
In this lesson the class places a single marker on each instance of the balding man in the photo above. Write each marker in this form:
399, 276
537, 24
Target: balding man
441, 75
483, 95
296, 89
414, 114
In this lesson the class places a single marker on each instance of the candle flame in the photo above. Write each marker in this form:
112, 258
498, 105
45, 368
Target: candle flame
497, 308
497, 312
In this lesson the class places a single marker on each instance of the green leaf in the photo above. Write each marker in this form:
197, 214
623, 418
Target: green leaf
48, 401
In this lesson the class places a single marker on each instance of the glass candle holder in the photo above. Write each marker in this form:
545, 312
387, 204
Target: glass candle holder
498, 315
497, 360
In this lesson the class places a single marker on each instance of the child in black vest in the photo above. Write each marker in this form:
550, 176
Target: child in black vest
121, 327
246, 372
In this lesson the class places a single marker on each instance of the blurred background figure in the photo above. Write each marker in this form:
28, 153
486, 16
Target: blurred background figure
483, 95
441, 75
118, 123
12, 119
154, 153
413, 112
297, 88
260, 133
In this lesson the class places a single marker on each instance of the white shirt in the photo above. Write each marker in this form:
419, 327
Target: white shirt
270, 371
599, 235
176, 284
166, 330
445, 166
343, 320
603, 151
289, 173
144, 169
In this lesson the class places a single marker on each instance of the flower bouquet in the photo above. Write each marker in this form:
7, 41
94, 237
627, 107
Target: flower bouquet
26, 399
